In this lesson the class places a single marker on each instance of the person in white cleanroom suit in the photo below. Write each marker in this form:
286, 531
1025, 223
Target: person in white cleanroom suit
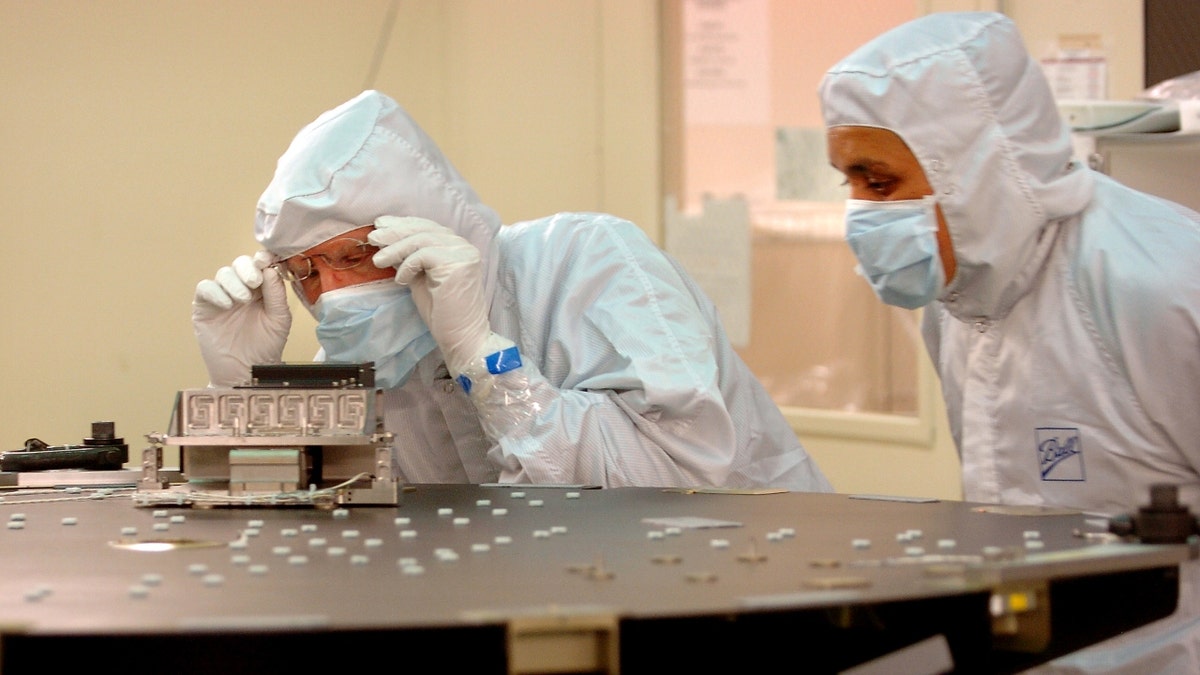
1062, 309
563, 350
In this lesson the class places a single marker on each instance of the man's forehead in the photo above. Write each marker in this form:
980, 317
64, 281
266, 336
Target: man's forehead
862, 147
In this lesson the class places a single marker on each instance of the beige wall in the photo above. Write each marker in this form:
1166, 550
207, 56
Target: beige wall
138, 134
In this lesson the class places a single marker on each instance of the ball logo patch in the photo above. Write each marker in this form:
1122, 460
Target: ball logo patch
1060, 453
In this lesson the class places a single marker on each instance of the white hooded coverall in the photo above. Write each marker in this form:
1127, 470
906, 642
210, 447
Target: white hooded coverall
1068, 341
628, 377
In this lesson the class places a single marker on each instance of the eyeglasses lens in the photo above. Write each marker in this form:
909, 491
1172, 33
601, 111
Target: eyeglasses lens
352, 254
297, 268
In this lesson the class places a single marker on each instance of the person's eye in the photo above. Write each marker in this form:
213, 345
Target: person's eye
880, 186
297, 267
353, 259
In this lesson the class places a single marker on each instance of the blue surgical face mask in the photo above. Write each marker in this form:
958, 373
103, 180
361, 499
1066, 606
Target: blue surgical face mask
897, 249
376, 321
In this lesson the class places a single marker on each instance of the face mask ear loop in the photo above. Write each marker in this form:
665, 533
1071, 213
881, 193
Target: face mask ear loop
297, 288
302, 297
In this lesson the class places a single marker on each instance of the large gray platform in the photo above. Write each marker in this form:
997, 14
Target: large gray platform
527, 579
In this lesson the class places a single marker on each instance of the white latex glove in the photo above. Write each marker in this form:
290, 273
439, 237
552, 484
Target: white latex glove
444, 273
241, 318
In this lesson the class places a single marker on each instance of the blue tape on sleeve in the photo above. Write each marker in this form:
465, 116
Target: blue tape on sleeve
503, 360
499, 362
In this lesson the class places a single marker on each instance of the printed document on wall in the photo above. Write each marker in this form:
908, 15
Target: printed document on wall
726, 62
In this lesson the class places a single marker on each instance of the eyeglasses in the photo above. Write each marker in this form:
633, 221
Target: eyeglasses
349, 254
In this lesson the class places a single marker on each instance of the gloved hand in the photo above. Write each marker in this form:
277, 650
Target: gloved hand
444, 273
241, 318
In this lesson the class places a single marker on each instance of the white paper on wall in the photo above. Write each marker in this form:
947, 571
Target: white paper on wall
726, 68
